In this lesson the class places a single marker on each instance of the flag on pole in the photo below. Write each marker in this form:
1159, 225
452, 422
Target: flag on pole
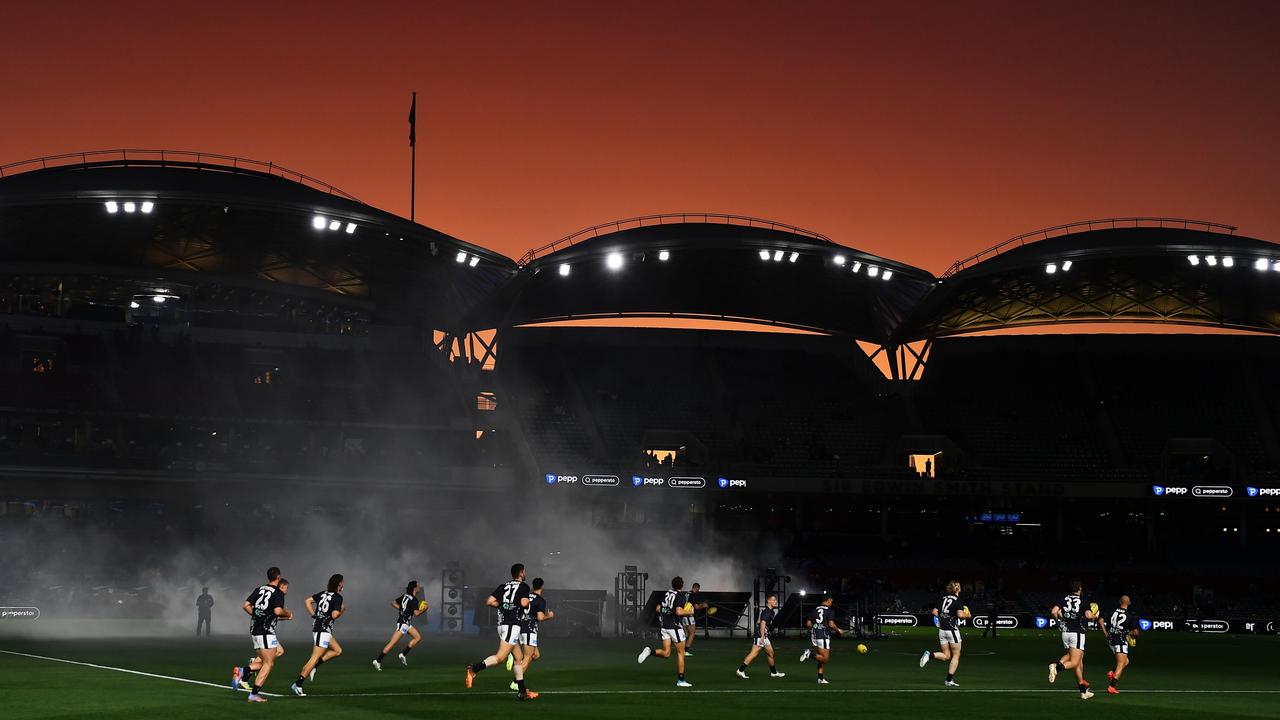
413, 120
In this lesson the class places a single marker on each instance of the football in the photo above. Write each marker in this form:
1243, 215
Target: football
862, 649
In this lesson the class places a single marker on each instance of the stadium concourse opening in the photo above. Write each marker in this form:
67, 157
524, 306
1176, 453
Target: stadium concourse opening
200, 351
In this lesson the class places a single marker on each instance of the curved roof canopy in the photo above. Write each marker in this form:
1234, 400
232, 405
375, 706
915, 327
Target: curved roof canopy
1179, 273
715, 267
235, 237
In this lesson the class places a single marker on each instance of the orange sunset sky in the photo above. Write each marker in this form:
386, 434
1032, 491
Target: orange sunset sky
921, 131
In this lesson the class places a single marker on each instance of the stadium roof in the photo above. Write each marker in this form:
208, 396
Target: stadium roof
237, 236
234, 238
721, 267
1152, 270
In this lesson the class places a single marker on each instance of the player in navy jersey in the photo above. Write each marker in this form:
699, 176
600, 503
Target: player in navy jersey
694, 596
1073, 617
821, 623
325, 608
1120, 631
949, 612
511, 599
537, 613
407, 608
672, 610
264, 606
764, 623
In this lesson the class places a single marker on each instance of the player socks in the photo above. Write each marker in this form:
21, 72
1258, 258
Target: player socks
773, 669
381, 655
1084, 687
319, 662
520, 684
1115, 682
1061, 668
478, 667
680, 677
742, 667
951, 676
406, 651
256, 689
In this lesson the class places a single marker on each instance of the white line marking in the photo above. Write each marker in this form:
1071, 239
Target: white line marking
223, 686
747, 691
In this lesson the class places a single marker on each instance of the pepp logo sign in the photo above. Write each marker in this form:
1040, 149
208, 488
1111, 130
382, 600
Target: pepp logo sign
727, 483
1144, 625
898, 620
1158, 490
551, 478
1042, 622
1251, 491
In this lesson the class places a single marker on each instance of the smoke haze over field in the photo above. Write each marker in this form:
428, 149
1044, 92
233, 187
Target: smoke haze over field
149, 566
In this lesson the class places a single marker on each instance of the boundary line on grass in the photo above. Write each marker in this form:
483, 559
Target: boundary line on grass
222, 686
749, 691
656, 691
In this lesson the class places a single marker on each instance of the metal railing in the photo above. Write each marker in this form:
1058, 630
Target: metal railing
666, 219
1085, 226
127, 157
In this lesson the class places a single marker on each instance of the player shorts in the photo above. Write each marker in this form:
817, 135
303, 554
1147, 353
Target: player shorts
403, 628
675, 635
1119, 646
689, 620
265, 642
510, 634
762, 642
322, 638
821, 641
1073, 641
529, 638
949, 637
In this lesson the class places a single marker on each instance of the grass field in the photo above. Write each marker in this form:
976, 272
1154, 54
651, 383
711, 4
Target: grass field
1201, 676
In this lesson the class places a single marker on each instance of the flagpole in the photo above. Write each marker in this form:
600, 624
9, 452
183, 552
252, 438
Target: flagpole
413, 156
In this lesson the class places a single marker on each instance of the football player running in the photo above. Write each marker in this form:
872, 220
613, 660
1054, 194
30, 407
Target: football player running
325, 607
512, 601
1073, 617
949, 612
761, 640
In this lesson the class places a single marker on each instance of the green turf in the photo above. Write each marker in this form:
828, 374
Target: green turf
600, 679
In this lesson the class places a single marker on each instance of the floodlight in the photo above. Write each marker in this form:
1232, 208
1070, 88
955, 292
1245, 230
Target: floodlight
1051, 268
664, 255
857, 265
872, 270
318, 222
886, 274
112, 207
158, 299
1260, 264
130, 207
475, 260
838, 260
351, 228
335, 224
777, 256
564, 269
764, 254
793, 257
1212, 260
1193, 259
1228, 261
1066, 265
614, 261
461, 256
147, 206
